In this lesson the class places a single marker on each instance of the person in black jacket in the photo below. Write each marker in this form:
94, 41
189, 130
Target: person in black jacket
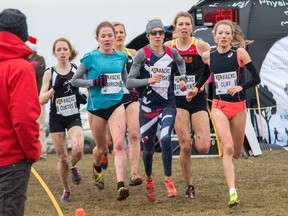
39, 65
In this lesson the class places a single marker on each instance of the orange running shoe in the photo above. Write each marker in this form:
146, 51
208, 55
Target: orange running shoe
135, 180
170, 188
150, 190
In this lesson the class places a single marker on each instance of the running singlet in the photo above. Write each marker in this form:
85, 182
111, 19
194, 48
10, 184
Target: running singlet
128, 66
194, 67
227, 72
161, 93
64, 101
112, 65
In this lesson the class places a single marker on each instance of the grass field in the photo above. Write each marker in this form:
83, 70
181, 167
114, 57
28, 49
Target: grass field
261, 182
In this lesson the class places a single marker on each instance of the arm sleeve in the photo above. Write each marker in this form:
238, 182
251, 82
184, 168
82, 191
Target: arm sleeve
255, 80
204, 76
124, 75
24, 108
180, 63
77, 79
133, 81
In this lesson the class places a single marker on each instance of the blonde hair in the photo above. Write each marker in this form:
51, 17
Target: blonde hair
238, 36
118, 24
239, 39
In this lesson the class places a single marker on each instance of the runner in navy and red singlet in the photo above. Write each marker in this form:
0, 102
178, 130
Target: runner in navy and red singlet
152, 70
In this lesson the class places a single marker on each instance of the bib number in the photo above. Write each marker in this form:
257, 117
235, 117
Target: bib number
114, 84
66, 106
189, 83
223, 81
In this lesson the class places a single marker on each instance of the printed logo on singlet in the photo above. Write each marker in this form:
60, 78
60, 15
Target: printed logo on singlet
230, 55
188, 59
223, 81
189, 84
192, 49
114, 84
69, 89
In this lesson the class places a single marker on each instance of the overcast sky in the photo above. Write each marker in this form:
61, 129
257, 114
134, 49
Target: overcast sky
77, 20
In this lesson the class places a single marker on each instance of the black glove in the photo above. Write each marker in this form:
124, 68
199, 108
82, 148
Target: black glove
134, 94
100, 81
60, 83
82, 99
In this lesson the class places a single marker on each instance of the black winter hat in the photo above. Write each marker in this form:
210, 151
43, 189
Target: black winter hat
14, 21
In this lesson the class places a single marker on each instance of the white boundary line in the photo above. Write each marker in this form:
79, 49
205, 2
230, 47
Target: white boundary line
197, 156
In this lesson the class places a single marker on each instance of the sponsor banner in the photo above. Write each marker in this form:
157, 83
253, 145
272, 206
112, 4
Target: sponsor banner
274, 85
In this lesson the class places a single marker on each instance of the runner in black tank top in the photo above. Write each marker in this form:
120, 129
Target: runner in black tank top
225, 66
64, 114
193, 113
229, 105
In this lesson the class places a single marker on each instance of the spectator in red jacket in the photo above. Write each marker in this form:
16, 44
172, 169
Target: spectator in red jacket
19, 111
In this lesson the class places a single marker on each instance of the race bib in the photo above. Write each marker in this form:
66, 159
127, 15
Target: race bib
165, 71
223, 81
66, 106
189, 83
114, 84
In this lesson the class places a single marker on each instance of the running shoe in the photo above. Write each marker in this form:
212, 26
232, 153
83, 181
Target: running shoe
104, 161
66, 197
135, 180
150, 190
76, 176
123, 193
98, 179
170, 188
190, 192
233, 200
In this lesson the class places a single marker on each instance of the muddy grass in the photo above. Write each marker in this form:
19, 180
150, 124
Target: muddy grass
262, 184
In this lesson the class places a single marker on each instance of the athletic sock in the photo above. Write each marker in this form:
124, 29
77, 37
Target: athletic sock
120, 184
98, 168
232, 190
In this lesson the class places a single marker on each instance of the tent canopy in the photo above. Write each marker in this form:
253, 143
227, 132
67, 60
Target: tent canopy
265, 22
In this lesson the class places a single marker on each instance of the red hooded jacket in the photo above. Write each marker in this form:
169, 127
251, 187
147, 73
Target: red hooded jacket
19, 103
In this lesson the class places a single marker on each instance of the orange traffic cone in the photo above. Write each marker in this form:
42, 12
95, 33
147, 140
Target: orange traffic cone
80, 212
